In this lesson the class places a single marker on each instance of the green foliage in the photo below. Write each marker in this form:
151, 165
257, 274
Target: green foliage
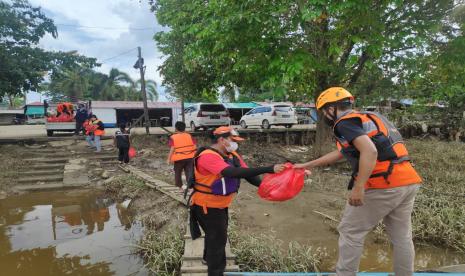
88, 84
291, 49
441, 75
23, 64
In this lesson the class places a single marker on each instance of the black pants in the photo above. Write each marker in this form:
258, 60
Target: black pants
186, 165
123, 155
215, 226
79, 127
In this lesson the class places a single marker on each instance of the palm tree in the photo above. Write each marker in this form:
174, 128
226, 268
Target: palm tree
113, 89
150, 89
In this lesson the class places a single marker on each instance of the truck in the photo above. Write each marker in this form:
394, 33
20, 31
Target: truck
53, 126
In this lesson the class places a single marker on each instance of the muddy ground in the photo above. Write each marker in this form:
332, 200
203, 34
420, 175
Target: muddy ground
302, 219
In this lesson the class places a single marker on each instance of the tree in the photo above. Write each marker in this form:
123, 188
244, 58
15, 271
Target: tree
150, 88
299, 47
72, 84
23, 64
440, 76
112, 87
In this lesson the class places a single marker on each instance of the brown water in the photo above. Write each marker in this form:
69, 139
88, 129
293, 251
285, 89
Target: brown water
67, 233
295, 220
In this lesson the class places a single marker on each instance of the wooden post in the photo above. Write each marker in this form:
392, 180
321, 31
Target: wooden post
141, 67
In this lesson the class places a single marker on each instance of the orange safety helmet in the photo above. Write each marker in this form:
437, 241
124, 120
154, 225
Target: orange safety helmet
333, 95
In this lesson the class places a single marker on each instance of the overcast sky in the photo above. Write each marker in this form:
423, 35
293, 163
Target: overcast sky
108, 28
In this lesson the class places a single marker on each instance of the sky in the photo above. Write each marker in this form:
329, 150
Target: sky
104, 29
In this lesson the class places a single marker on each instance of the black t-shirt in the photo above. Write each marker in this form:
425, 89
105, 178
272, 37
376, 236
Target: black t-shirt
350, 129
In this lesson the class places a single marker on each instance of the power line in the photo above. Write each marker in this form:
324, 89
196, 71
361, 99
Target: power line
118, 55
105, 28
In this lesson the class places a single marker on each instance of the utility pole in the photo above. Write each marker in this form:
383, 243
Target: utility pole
182, 109
140, 65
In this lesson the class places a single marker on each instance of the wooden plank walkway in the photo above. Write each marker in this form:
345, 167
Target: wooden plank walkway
193, 249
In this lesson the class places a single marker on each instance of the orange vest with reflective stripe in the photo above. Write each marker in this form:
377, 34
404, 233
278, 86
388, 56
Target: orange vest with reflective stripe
401, 172
209, 200
184, 147
98, 132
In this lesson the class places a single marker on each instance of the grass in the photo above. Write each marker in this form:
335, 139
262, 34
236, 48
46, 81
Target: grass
265, 253
126, 186
163, 251
439, 213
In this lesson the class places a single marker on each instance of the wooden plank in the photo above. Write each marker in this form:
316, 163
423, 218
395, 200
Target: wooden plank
154, 184
193, 250
203, 269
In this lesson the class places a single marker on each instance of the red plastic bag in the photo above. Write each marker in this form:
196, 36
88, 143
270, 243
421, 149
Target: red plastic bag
132, 152
282, 186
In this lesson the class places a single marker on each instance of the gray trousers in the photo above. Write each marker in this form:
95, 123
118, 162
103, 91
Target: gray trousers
393, 206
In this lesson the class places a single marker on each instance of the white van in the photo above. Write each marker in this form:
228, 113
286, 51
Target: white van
267, 116
207, 115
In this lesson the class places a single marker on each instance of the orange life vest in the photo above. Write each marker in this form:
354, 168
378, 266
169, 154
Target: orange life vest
208, 200
60, 108
184, 147
86, 126
393, 168
97, 132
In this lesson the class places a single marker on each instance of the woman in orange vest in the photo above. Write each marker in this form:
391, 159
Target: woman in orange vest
217, 173
99, 131
182, 151
383, 184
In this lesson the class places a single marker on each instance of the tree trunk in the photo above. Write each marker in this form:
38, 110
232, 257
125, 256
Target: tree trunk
11, 99
323, 139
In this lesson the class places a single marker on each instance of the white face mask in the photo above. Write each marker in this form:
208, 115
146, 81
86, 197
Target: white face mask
233, 146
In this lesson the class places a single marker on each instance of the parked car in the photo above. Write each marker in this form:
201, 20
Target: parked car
206, 115
267, 116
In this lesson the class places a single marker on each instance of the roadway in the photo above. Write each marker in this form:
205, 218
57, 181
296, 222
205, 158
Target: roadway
26, 132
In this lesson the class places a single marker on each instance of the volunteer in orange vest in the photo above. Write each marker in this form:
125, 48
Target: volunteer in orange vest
383, 184
98, 132
182, 150
89, 133
217, 173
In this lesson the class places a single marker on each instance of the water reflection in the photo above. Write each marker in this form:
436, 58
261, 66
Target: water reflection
73, 233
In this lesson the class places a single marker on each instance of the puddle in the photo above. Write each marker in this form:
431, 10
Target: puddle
67, 233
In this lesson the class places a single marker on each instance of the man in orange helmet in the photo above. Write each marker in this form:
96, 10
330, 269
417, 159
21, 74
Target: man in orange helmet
383, 184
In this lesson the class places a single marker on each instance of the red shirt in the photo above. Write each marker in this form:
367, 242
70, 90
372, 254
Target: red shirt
210, 163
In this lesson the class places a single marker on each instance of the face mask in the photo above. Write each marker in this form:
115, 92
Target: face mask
328, 121
233, 146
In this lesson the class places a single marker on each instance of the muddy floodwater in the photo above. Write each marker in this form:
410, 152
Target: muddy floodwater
67, 233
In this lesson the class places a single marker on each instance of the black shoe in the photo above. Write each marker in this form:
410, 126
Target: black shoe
204, 262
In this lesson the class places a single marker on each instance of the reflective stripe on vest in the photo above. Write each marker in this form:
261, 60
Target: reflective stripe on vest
392, 168
203, 198
184, 147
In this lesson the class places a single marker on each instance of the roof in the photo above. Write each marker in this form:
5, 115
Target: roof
11, 111
35, 110
35, 104
273, 103
240, 105
302, 104
133, 104
230, 105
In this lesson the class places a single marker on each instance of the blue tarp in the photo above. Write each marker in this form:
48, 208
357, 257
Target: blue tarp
334, 274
